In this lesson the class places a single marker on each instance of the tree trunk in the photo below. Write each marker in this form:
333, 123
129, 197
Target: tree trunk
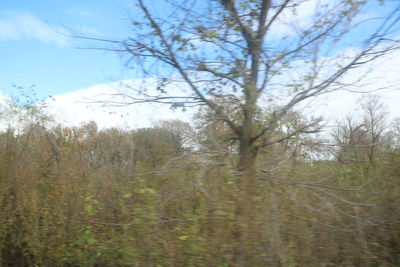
247, 158
245, 208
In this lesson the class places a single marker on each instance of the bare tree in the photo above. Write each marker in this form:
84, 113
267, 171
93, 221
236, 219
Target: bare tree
359, 141
376, 122
352, 140
246, 53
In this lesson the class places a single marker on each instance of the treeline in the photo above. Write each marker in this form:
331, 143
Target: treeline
167, 196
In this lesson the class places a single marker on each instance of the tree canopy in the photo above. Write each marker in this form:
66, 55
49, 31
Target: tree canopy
250, 53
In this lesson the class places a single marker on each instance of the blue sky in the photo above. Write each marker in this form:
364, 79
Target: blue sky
35, 47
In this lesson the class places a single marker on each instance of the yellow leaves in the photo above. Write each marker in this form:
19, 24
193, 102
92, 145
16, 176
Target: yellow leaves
89, 210
127, 195
90, 207
258, 198
183, 237
221, 213
149, 191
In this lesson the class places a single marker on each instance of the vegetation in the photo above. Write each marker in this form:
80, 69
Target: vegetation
168, 196
253, 184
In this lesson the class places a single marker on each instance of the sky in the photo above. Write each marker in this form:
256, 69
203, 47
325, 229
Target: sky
36, 47
37, 51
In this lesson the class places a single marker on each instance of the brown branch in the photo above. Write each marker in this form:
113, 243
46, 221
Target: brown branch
266, 28
246, 32
184, 74
203, 67
303, 129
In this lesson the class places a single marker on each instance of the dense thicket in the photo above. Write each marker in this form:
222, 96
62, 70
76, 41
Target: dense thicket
154, 197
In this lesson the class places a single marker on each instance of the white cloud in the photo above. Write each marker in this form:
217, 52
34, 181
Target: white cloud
382, 73
77, 107
378, 78
299, 17
25, 26
302, 16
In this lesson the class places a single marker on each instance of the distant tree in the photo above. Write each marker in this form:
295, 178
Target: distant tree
360, 140
181, 130
375, 120
352, 140
153, 146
